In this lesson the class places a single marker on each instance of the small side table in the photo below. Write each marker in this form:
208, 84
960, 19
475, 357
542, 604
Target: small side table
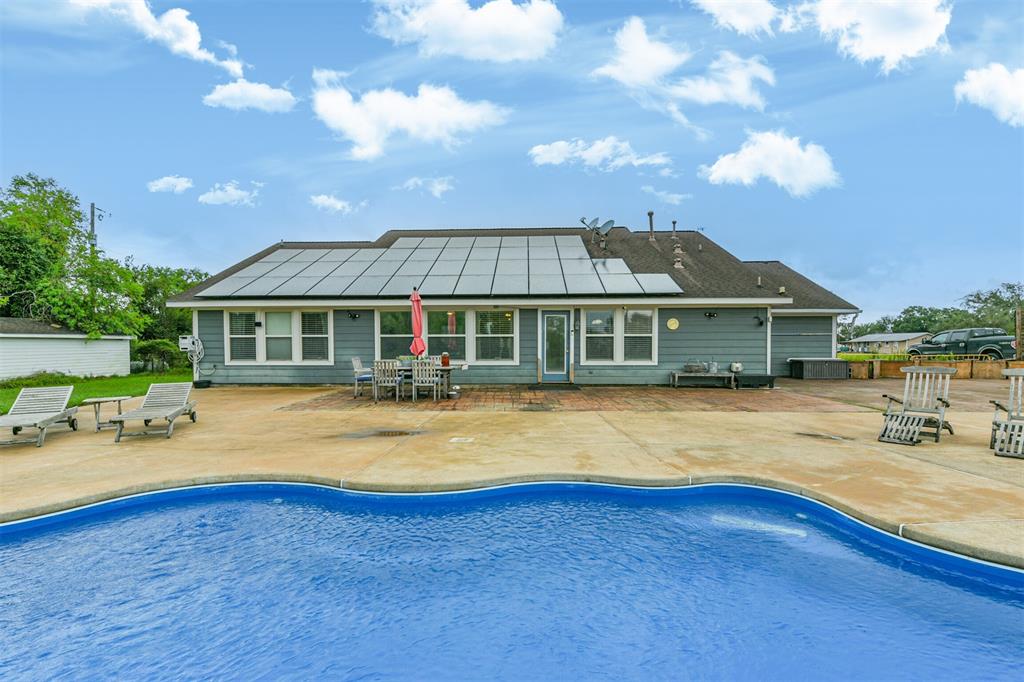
96, 402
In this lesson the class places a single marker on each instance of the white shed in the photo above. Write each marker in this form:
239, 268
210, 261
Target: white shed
32, 346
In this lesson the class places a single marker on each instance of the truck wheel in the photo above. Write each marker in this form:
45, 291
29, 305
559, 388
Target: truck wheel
993, 356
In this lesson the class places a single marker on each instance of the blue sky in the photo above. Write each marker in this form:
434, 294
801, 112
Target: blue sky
878, 148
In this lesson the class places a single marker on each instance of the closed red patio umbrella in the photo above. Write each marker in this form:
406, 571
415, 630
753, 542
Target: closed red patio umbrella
418, 347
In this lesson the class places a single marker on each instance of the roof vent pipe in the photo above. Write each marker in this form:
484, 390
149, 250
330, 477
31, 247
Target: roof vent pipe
650, 224
678, 263
759, 281
782, 291
674, 237
678, 249
700, 246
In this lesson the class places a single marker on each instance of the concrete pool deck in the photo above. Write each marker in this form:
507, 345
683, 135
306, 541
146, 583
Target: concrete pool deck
813, 438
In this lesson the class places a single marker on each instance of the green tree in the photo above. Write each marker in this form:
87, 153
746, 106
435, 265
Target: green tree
996, 307
158, 284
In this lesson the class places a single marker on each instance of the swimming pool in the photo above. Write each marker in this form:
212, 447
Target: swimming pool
526, 582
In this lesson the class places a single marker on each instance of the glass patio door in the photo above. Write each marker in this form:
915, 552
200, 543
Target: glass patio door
555, 346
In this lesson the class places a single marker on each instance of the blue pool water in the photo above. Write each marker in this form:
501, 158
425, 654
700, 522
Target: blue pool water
552, 582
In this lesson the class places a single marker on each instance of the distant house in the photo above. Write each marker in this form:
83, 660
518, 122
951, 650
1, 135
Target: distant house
517, 305
886, 343
33, 346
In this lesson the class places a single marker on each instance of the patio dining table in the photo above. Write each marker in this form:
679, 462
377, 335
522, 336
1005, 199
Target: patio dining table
446, 374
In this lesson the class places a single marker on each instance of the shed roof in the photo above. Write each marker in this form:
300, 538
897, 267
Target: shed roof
26, 325
888, 337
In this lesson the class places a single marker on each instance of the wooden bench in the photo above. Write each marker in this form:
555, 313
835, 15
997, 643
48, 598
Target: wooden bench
679, 378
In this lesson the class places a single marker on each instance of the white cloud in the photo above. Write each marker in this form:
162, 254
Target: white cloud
892, 31
170, 183
433, 114
497, 31
173, 29
639, 61
731, 79
646, 66
332, 204
997, 89
436, 186
801, 171
231, 194
746, 17
666, 197
607, 154
243, 94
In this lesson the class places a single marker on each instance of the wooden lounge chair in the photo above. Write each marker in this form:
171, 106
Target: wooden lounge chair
1008, 421
386, 377
163, 401
39, 408
426, 374
922, 409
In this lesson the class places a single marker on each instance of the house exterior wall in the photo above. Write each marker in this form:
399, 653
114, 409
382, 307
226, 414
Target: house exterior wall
732, 335
21, 356
799, 337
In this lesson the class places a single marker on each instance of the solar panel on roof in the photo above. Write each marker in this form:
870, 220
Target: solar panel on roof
434, 242
226, 286
383, 267
510, 284
415, 267
657, 283
425, 254
611, 266
296, 286
461, 242
583, 284
447, 267
309, 255
568, 240
287, 269
474, 285
620, 284
321, 268
546, 284
513, 241
439, 285
401, 285
280, 255
352, 267
454, 253
541, 240
478, 267
512, 267
366, 286
257, 269
366, 254
261, 286
407, 242
545, 267
484, 253
488, 241
338, 255
578, 267
395, 254
573, 253
331, 286
513, 253
543, 252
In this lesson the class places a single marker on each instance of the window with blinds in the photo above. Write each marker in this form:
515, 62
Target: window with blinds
599, 334
495, 335
315, 336
638, 336
242, 336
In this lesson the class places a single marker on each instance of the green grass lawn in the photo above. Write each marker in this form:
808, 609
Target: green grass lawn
90, 387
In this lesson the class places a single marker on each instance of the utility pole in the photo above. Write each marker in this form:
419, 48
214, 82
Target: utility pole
1019, 333
94, 213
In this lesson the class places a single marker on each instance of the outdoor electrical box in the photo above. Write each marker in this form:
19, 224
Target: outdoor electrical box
185, 342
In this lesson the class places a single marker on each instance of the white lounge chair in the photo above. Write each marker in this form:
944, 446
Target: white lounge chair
360, 375
39, 408
163, 401
1008, 421
922, 409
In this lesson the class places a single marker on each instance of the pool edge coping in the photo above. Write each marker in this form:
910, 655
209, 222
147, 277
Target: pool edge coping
902, 531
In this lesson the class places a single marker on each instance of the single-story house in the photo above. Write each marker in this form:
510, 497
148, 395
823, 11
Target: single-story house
518, 305
896, 342
31, 346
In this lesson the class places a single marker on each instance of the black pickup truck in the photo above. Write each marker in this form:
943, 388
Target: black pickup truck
995, 343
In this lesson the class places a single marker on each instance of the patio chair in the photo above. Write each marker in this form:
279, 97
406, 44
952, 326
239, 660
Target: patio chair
162, 401
360, 375
426, 374
387, 377
922, 409
39, 408
1008, 430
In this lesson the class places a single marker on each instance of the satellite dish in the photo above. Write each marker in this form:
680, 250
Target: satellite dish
606, 227
593, 223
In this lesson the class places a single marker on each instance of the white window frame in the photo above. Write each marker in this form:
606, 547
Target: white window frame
261, 339
377, 334
228, 336
471, 358
620, 335
584, 335
266, 336
465, 336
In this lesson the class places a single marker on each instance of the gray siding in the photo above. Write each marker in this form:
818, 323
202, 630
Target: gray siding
523, 373
799, 337
732, 336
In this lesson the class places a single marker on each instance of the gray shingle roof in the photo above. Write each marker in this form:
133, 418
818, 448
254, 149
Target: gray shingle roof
883, 338
708, 271
24, 325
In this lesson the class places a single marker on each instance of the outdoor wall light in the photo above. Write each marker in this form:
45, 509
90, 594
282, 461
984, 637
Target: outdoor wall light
760, 321
353, 315
710, 315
